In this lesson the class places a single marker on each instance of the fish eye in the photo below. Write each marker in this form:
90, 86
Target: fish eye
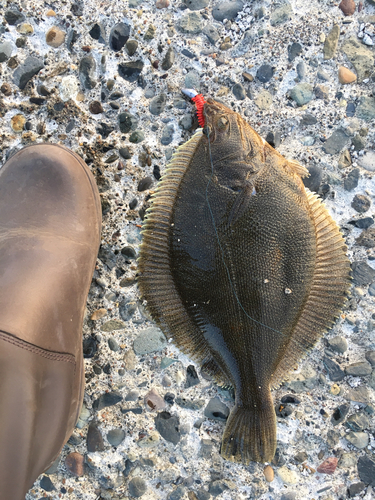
222, 123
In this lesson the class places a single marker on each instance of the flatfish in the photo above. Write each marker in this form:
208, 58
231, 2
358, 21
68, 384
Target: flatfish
242, 267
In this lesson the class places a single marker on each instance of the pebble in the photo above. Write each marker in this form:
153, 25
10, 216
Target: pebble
358, 394
46, 484
131, 47
75, 463
191, 23
288, 476
157, 104
346, 76
239, 91
192, 378
149, 340
269, 473
14, 17
94, 438
55, 37
113, 345
347, 7
366, 108
6, 50
290, 495
328, 466
281, 14
335, 389
338, 344
137, 136
127, 122
154, 401
361, 203
131, 70
162, 4
97, 32
166, 381
177, 494
361, 57
358, 439
370, 356
167, 134
95, 107
351, 181
211, 33
119, 36
331, 42
339, 414
263, 100
112, 324
302, 93
168, 426
192, 80
216, 410
358, 422
360, 369
356, 488
137, 487
169, 59
17, 122
334, 370
87, 72
226, 9
264, 73
24, 72
321, 92
366, 470
301, 70
115, 436
336, 142
107, 399
150, 33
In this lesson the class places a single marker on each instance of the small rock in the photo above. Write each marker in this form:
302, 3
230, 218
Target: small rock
125, 153
14, 17
358, 422
281, 15
157, 104
351, 182
87, 72
162, 4
350, 109
167, 134
358, 439
137, 136
361, 57
336, 142
27, 70
264, 73
95, 107
216, 410
370, 356
115, 436
192, 80
294, 50
169, 59
211, 33
55, 37
338, 344
168, 426
358, 395
360, 369
321, 92
177, 494
191, 23
97, 32
192, 378
75, 463
46, 484
347, 7
137, 487
112, 324
226, 10
154, 401
263, 100
301, 70
366, 470
322, 75
132, 395
328, 466
131, 70
366, 108
149, 340
269, 473
331, 42
150, 33
361, 203
119, 36
17, 122
334, 370
356, 488
131, 47
113, 345
239, 92
346, 76
273, 138
94, 439
5, 51
302, 93
145, 184
107, 399
287, 476
127, 122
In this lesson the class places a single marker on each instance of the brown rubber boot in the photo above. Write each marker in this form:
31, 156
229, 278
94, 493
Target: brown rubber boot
50, 221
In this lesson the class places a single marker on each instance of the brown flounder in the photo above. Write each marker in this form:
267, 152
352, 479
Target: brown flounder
242, 267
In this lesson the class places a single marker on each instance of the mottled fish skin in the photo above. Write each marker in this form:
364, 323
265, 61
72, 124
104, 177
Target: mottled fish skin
242, 267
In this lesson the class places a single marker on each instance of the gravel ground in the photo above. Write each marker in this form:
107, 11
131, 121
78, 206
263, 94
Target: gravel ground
104, 79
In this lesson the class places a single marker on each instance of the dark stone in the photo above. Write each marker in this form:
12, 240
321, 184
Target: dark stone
367, 238
351, 182
116, 436
145, 184
177, 494
128, 252
169, 398
217, 487
77, 8
168, 426
226, 10
87, 72
39, 101
239, 92
216, 409
211, 33
336, 142
334, 370
46, 484
362, 273
361, 203
90, 346
131, 47
71, 39
301, 457
338, 416
95, 107
191, 376
157, 104
364, 223
156, 172
94, 439
27, 70
273, 139
283, 411
136, 411
97, 33
308, 119
290, 398
356, 488
107, 256
107, 399
188, 53
130, 71
133, 203
43, 91
113, 345
294, 50
350, 109
366, 470
14, 17
119, 36
291, 495
169, 59
202, 494
167, 135
264, 73
127, 122
313, 181
104, 129
137, 487
125, 153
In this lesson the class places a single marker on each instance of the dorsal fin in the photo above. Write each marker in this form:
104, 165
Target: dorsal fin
330, 285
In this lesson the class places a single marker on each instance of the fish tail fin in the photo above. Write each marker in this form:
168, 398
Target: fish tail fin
250, 434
